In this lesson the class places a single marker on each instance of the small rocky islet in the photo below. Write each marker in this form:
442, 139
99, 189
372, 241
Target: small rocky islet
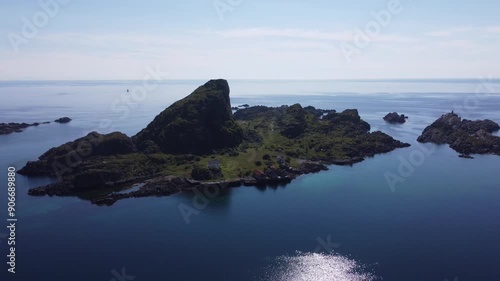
395, 118
464, 136
198, 142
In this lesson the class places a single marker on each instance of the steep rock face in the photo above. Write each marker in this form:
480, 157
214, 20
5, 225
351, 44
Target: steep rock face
71, 153
294, 121
197, 124
464, 136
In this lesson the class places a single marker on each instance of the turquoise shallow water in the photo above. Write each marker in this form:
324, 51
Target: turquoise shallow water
441, 221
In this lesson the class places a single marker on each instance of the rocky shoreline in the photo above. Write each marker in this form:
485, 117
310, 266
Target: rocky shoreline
169, 185
160, 185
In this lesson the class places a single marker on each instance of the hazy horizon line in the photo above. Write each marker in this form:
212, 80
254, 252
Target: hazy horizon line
494, 79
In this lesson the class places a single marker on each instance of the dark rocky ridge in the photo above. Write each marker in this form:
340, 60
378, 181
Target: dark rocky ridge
260, 111
464, 136
197, 124
69, 155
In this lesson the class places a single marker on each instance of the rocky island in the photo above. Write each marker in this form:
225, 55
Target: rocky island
9, 128
464, 136
395, 118
197, 142
63, 120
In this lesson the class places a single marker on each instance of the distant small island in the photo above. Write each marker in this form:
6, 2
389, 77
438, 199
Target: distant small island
9, 128
464, 136
395, 118
63, 120
198, 142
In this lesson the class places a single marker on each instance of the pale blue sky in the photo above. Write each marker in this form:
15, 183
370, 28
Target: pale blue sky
254, 39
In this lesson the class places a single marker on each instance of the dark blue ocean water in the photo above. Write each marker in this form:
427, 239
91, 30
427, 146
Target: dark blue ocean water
440, 221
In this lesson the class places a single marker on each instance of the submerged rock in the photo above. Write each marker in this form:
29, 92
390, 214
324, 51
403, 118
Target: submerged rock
465, 156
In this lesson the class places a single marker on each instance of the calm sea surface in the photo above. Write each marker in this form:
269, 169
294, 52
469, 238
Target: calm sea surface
440, 220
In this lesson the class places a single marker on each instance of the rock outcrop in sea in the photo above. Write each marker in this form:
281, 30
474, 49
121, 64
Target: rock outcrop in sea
9, 128
197, 142
63, 120
464, 136
395, 118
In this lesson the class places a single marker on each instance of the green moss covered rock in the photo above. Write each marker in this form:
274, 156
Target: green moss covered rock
198, 124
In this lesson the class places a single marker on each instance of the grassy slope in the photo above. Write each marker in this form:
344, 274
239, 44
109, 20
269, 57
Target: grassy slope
337, 138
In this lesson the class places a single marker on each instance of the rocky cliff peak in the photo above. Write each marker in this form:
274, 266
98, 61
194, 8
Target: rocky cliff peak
197, 124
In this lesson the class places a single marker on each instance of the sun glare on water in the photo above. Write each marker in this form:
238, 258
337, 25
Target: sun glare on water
316, 267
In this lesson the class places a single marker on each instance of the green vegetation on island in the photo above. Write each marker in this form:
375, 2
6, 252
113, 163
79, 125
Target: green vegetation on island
198, 140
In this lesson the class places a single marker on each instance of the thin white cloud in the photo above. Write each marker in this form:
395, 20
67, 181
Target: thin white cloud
341, 35
464, 31
286, 32
102, 40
